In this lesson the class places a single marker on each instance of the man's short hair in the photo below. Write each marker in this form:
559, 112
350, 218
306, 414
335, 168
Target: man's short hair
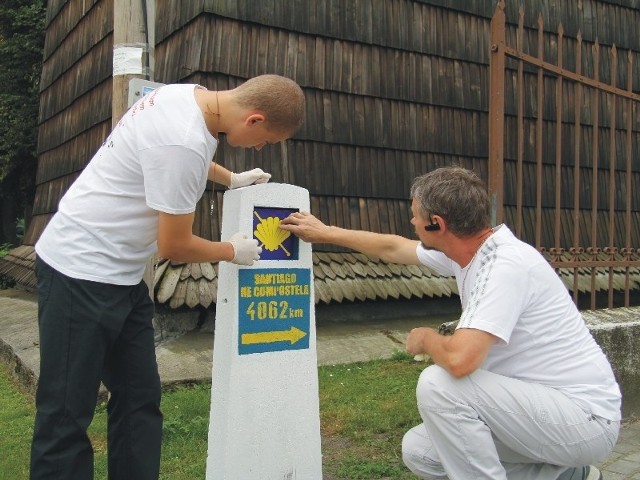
456, 194
280, 99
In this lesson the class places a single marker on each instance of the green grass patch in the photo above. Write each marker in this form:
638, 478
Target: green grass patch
186, 427
365, 409
16, 425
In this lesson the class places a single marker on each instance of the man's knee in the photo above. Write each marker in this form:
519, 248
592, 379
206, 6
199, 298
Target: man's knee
435, 388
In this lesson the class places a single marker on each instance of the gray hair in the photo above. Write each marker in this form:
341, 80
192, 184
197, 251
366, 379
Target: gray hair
456, 194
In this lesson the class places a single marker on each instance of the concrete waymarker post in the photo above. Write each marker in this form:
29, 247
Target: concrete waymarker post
265, 415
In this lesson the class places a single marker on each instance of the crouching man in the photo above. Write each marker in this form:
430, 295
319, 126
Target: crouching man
521, 390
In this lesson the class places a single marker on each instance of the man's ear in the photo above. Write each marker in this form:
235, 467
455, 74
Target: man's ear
254, 119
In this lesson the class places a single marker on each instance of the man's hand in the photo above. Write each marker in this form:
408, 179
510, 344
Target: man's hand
250, 177
305, 226
245, 250
416, 341
460, 354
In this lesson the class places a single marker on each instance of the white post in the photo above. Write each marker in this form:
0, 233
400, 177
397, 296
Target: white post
265, 420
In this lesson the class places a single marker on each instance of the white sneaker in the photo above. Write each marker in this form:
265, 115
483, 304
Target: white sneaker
592, 473
588, 472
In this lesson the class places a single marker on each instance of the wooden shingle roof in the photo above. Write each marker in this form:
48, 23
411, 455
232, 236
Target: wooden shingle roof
394, 89
338, 278
19, 266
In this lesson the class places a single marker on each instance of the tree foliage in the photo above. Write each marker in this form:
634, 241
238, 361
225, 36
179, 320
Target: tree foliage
21, 49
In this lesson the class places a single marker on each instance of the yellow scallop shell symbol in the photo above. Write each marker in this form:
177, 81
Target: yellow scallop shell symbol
271, 235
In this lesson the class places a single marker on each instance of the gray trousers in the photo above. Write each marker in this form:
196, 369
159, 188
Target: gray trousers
92, 332
486, 426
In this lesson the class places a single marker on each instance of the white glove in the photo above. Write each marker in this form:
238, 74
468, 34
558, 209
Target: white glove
245, 250
249, 177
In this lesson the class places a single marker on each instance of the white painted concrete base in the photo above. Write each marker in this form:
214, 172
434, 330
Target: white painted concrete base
265, 421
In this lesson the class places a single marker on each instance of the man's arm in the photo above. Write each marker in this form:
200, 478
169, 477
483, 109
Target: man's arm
460, 354
219, 174
390, 248
177, 242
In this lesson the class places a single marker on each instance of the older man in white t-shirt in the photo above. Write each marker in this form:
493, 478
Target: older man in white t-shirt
520, 390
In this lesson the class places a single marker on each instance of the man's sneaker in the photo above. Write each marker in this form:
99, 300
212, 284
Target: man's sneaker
592, 473
588, 472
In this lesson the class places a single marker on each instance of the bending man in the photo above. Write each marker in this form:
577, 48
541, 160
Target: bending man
137, 196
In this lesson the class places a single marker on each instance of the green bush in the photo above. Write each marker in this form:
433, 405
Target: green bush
6, 282
4, 249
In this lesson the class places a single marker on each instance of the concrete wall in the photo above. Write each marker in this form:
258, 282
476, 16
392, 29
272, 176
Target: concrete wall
617, 331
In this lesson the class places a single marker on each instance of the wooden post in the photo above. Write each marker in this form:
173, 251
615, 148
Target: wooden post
130, 41
496, 115
131, 53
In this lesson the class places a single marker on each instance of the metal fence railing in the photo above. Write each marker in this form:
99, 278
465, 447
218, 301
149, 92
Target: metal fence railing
561, 156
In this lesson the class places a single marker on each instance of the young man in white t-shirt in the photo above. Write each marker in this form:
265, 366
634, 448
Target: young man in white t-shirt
136, 197
521, 390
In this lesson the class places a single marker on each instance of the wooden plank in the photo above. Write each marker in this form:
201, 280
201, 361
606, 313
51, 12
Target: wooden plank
192, 295
208, 271
179, 295
159, 271
168, 284
185, 272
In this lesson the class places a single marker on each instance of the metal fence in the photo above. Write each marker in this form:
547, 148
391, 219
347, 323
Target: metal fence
572, 190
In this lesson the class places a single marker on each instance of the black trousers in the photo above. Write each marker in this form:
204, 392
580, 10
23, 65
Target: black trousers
92, 332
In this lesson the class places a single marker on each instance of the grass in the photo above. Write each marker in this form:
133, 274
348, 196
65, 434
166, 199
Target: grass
365, 408
16, 419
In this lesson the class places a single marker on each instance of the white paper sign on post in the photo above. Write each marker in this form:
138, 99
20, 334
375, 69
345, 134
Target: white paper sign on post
265, 416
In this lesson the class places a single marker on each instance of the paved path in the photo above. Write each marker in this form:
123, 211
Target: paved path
188, 359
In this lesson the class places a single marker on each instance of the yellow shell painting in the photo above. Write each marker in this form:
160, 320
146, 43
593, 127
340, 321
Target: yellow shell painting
271, 236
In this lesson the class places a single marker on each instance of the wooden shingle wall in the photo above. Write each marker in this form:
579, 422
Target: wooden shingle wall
75, 99
377, 95
394, 88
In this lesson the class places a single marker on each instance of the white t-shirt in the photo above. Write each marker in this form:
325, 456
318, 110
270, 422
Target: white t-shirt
156, 159
510, 290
